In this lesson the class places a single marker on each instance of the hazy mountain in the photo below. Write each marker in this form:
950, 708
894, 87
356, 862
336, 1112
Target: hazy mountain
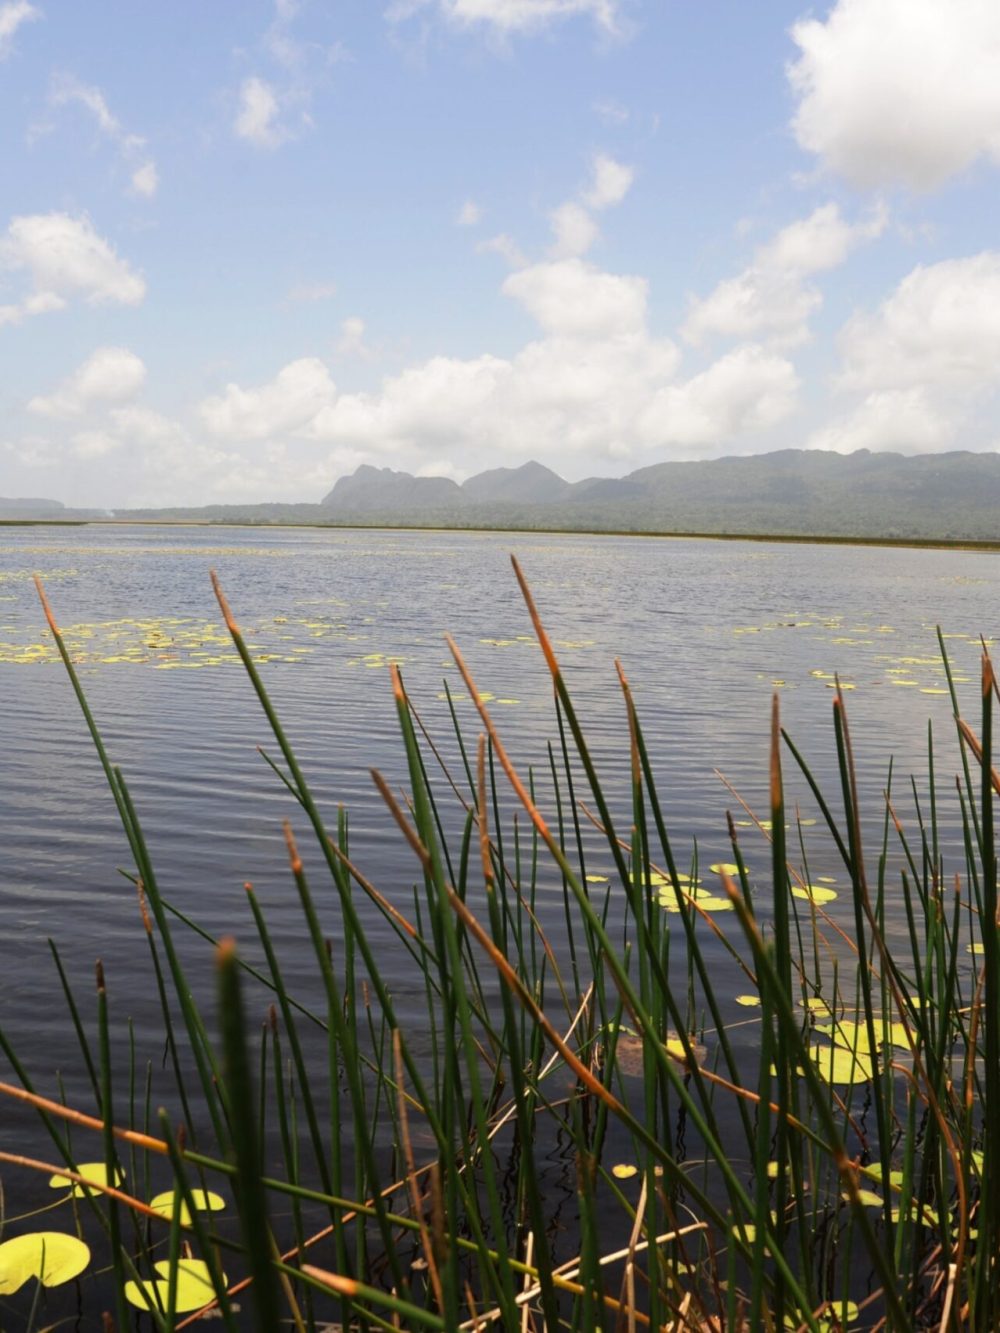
371, 488
29, 507
792, 491
931, 497
532, 483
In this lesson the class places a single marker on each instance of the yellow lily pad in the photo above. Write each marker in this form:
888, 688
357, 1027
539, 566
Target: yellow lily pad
839, 1317
724, 868
95, 1172
814, 893
869, 1198
204, 1202
53, 1257
194, 1287
854, 1036
624, 1171
748, 1001
837, 1065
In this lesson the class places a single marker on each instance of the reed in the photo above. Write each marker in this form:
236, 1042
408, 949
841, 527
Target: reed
826, 1156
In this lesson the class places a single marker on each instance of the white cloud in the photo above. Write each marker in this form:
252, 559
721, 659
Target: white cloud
899, 91
352, 338
595, 386
610, 183
91, 444
506, 247
511, 16
146, 180
109, 375
257, 115
469, 215
747, 391
12, 15
939, 328
574, 229
924, 365
770, 298
64, 257
821, 241
572, 297
67, 90
905, 420
754, 303
291, 400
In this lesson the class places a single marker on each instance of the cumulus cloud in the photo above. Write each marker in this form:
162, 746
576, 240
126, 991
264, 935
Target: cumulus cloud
573, 225
595, 385
512, 16
771, 298
904, 420
610, 183
12, 15
939, 328
291, 400
574, 298
64, 257
574, 229
109, 375
257, 114
924, 364
899, 91
748, 390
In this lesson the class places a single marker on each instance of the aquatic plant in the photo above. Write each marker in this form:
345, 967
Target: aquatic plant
802, 1139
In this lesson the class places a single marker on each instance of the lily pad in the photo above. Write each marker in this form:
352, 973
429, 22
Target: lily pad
814, 893
53, 1257
204, 1202
624, 1170
854, 1036
748, 1001
194, 1286
95, 1172
837, 1065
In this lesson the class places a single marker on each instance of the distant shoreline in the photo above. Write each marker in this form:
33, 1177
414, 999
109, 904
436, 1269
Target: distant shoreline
794, 539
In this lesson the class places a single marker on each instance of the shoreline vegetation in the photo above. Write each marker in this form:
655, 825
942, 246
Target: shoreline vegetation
772, 1114
794, 539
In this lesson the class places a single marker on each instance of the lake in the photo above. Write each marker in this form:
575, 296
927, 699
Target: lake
707, 632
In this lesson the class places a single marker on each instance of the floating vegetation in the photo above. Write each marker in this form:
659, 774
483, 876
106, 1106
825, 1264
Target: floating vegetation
95, 1178
184, 1286
50, 1257
823, 1160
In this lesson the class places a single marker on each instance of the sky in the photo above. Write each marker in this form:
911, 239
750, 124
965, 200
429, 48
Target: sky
247, 246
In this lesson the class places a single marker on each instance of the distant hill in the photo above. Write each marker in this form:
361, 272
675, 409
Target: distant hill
381, 488
792, 492
950, 496
532, 483
30, 507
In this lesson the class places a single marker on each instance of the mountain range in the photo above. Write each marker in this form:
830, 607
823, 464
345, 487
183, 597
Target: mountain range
933, 497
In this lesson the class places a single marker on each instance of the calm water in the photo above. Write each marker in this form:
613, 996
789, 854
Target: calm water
706, 630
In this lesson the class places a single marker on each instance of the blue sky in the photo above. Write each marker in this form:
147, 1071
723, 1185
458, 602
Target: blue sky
245, 247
